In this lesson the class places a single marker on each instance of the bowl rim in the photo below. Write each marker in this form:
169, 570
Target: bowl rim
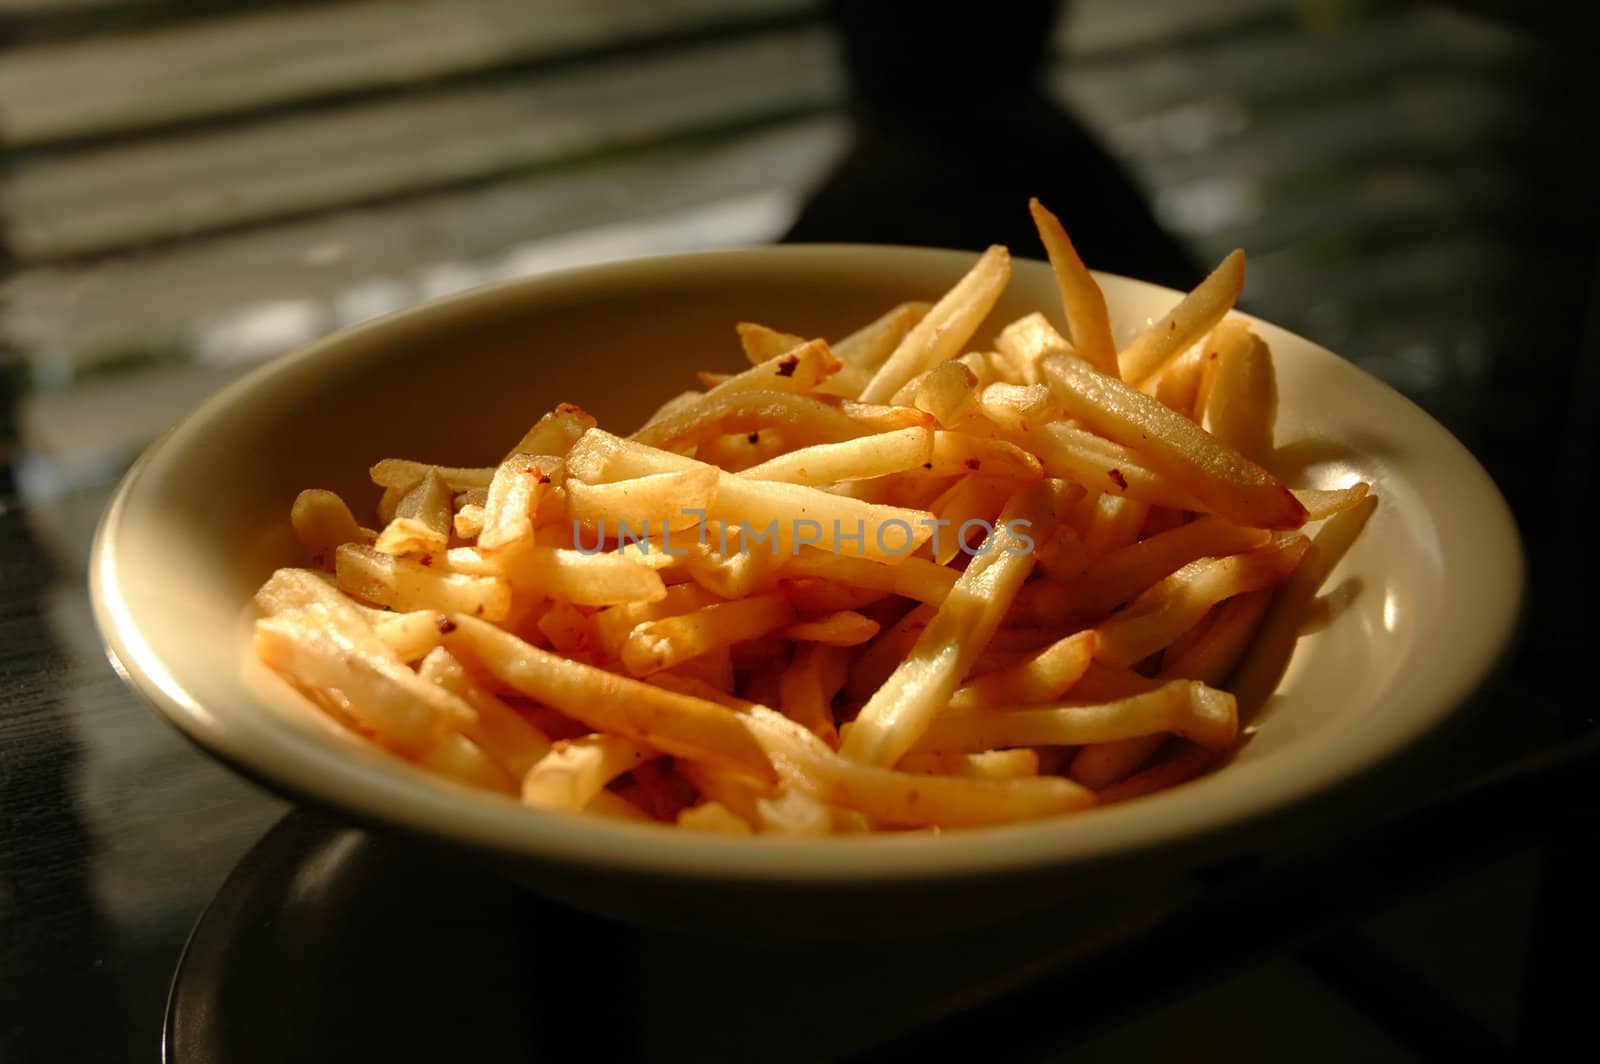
455, 814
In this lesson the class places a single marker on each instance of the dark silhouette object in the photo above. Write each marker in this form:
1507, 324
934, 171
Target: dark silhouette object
953, 133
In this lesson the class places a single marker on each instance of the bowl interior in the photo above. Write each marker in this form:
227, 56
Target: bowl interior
1403, 630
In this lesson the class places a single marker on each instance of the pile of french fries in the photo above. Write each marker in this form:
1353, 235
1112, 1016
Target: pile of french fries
912, 579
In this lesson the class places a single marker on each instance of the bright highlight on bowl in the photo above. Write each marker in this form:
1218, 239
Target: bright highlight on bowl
922, 576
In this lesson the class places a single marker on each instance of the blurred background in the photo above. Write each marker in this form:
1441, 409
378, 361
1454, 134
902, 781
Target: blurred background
190, 187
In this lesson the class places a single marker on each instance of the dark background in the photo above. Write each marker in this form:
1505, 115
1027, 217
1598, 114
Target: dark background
188, 188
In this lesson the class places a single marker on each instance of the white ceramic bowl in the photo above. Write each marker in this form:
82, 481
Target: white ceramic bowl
1413, 618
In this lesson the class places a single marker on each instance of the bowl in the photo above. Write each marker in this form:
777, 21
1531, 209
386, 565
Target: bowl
1407, 627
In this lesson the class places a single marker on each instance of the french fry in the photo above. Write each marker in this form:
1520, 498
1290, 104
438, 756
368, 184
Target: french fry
965, 514
1044, 676
1326, 503
405, 584
459, 758
662, 644
1027, 340
576, 576
906, 798
855, 459
869, 346
902, 709
942, 332
468, 521
1178, 386
1072, 453
1181, 769
555, 433
960, 454
763, 344
1114, 524
807, 687
1170, 608
422, 519
1017, 406
1193, 317
323, 523
575, 770
1085, 306
656, 501
1204, 714
1208, 657
1123, 574
990, 764
565, 627
672, 723
795, 372
518, 485
808, 594
843, 629
402, 475
762, 506
1225, 481
875, 664
384, 697
1242, 398
611, 627
499, 730
949, 392
713, 817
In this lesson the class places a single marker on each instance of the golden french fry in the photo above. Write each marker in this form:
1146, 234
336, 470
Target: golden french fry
575, 576
1193, 317
611, 627
1016, 407
515, 491
468, 521
1088, 323
642, 504
458, 757
1217, 645
1100, 465
907, 798
422, 519
1204, 714
406, 584
1160, 777
499, 730
965, 514
878, 661
989, 764
806, 689
855, 459
1178, 386
402, 475
902, 709
675, 724
555, 433
845, 628
1027, 340
323, 523
1063, 558
1114, 524
1170, 608
1226, 482
575, 770
946, 328
764, 511
949, 392
1044, 676
713, 817
1242, 397
387, 699
870, 345
1123, 574
1326, 503
664, 643
762, 344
